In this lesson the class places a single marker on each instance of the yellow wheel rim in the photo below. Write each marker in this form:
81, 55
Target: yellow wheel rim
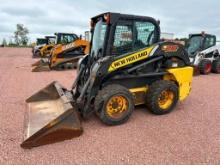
165, 99
116, 106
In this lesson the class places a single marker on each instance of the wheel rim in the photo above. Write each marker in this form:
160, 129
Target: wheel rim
208, 68
165, 99
117, 106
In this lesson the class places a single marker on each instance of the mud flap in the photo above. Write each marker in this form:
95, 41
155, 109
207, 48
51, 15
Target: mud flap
50, 117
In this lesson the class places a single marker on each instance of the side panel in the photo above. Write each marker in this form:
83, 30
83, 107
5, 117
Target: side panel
183, 77
139, 94
130, 59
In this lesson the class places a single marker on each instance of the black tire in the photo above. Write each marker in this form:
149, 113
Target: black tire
216, 66
154, 93
205, 66
102, 101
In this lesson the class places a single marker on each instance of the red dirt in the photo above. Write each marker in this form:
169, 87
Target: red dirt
188, 135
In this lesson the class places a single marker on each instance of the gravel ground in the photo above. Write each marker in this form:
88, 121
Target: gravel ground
188, 135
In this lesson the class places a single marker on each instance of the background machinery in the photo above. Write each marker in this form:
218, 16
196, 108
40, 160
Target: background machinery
204, 53
126, 66
60, 38
41, 44
64, 55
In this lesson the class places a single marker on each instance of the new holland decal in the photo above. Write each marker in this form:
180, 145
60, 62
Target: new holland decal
143, 54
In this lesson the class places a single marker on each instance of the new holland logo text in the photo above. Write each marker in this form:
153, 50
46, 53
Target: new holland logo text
130, 59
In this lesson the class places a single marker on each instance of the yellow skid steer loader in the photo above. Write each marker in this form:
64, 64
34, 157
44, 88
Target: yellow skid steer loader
63, 56
42, 43
60, 38
126, 66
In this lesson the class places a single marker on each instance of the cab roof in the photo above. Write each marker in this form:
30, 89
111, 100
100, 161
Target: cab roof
115, 16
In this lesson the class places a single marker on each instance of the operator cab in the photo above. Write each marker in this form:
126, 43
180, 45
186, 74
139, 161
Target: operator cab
200, 42
50, 40
65, 38
41, 41
115, 34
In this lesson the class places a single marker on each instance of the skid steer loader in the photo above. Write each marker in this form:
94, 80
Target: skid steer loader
46, 42
63, 56
126, 66
45, 50
60, 38
204, 53
39, 44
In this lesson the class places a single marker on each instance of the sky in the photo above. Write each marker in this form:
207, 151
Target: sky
180, 17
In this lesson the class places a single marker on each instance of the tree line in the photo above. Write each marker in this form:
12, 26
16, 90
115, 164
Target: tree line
20, 37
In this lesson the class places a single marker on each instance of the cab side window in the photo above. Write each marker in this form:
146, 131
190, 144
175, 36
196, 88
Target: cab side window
68, 39
122, 39
52, 41
209, 42
145, 32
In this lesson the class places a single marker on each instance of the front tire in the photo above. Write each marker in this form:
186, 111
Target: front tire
162, 97
205, 66
114, 104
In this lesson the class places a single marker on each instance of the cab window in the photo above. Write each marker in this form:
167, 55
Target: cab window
122, 39
133, 36
51, 40
145, 34
209, 42
65, 39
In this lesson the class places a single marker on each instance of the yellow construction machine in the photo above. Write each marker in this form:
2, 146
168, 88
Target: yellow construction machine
127, 66
42, 44
64, 55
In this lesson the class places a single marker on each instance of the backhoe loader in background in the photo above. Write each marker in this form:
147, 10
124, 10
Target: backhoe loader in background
64, 55
126, 66
47, 42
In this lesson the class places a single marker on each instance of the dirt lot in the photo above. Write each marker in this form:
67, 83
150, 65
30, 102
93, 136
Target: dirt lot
188, 135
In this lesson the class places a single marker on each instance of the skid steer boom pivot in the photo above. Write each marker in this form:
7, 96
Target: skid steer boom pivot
50, 117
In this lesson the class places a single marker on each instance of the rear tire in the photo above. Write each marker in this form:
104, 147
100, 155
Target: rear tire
114, 104
216, 66
162, 97
205, 66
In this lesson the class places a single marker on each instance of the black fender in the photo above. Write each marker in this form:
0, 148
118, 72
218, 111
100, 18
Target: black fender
172, 49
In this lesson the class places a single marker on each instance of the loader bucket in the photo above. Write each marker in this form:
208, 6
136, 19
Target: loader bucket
41, 65
42, 61
50, 118
36, 63
41, 68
